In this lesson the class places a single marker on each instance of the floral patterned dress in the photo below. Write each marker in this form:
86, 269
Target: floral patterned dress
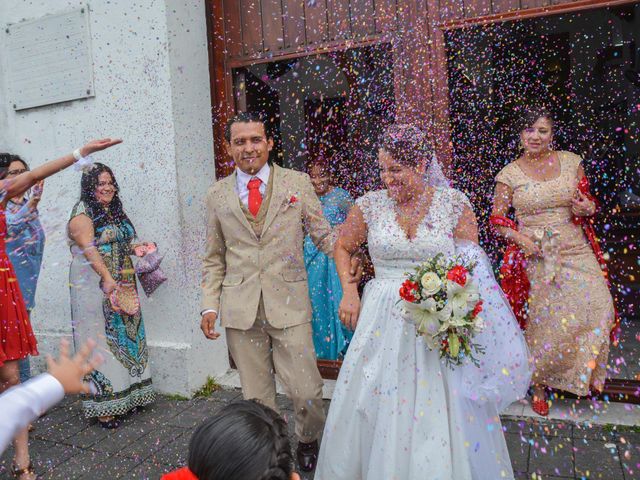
123, 381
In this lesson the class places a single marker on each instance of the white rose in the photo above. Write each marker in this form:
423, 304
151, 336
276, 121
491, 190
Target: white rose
431, 283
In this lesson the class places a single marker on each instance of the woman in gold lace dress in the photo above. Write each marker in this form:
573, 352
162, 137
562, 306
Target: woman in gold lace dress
570, 309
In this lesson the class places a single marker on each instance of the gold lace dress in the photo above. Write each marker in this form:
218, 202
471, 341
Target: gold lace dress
570, 307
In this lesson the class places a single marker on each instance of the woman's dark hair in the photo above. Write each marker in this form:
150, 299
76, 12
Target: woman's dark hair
244, 441
6, 159
95, 209
531, 115
407, 144
320, 163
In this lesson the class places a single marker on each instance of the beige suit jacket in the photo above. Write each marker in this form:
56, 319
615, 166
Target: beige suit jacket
239, 267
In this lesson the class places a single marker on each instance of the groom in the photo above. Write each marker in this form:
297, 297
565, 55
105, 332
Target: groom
255, 280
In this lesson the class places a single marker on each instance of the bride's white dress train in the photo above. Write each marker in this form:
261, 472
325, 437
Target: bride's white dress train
397, 411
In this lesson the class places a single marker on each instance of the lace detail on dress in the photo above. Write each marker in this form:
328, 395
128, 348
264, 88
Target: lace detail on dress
391, 251
370, 203
458, 201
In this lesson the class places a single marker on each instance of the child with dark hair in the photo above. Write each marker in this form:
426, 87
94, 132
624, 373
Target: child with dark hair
244, 441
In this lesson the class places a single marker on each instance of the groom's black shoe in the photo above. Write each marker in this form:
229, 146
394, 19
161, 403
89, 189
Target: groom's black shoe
307, 454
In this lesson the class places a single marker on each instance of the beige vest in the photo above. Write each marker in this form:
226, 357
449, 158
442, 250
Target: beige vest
257, 222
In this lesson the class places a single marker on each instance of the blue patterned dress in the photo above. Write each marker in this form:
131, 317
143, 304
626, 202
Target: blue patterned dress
25, 247
330, 336
123, 381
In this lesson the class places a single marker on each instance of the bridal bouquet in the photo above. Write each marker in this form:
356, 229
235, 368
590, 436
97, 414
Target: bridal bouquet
439, 298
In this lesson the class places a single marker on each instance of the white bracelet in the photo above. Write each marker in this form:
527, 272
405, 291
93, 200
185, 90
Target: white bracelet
82, 163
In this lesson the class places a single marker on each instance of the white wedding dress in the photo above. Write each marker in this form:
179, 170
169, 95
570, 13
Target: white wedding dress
398, 412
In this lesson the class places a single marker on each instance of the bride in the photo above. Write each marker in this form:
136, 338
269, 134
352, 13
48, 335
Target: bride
397, 411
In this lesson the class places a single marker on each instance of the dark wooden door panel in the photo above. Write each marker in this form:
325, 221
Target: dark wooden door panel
503, 6
386, 11
294, 31
233, 30
452, 9
315, 15
339, 19
251, 21
362, 18
272, 25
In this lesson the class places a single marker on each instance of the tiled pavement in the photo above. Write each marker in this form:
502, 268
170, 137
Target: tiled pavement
155, 440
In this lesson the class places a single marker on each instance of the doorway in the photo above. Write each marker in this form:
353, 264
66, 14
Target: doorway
584, 67
333, 105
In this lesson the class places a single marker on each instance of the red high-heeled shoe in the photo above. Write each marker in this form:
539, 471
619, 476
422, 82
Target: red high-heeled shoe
541, 407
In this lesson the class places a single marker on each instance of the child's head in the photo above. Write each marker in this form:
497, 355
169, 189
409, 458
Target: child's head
244, 441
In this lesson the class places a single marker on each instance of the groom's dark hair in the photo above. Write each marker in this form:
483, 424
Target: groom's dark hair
247, 117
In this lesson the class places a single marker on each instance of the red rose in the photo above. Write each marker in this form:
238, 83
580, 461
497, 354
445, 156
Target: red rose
293, 199
477, 309
407, 291
458, 274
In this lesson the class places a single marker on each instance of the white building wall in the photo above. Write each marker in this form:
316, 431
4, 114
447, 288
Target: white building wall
152, 89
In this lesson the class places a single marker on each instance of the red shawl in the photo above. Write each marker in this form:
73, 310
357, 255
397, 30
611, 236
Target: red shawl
513, 273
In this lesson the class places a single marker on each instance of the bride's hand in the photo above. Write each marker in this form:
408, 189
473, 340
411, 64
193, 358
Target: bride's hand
349, 310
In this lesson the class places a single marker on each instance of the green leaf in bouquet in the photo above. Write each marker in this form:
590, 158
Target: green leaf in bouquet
454, 345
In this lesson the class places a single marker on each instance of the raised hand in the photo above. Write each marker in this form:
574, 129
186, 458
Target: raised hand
36, 195
581, 206
97, 145
70, 372
37, 190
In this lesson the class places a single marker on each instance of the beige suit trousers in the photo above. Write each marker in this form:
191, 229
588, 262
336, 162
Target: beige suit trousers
262, 351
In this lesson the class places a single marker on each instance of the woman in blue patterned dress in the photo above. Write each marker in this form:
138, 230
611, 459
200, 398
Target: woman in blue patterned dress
25, 243
330, 336
102, 238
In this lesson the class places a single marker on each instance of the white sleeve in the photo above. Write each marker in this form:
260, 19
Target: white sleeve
24, 403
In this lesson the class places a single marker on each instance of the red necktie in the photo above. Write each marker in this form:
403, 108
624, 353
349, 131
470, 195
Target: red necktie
255, 198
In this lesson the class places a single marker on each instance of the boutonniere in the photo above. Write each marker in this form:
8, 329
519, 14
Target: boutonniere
291, 202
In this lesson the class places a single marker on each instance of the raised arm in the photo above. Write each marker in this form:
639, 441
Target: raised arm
23, 182
501, 202
82, 233
353, 233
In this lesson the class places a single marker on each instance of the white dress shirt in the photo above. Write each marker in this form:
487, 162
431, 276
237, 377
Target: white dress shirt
242, 179
24, 403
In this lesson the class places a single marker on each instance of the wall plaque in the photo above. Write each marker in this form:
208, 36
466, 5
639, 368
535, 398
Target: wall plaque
49, 59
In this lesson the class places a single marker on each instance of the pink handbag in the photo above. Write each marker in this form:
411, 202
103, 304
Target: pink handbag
149, 272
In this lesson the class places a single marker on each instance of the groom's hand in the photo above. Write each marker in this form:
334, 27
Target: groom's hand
357, 267
208, 325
